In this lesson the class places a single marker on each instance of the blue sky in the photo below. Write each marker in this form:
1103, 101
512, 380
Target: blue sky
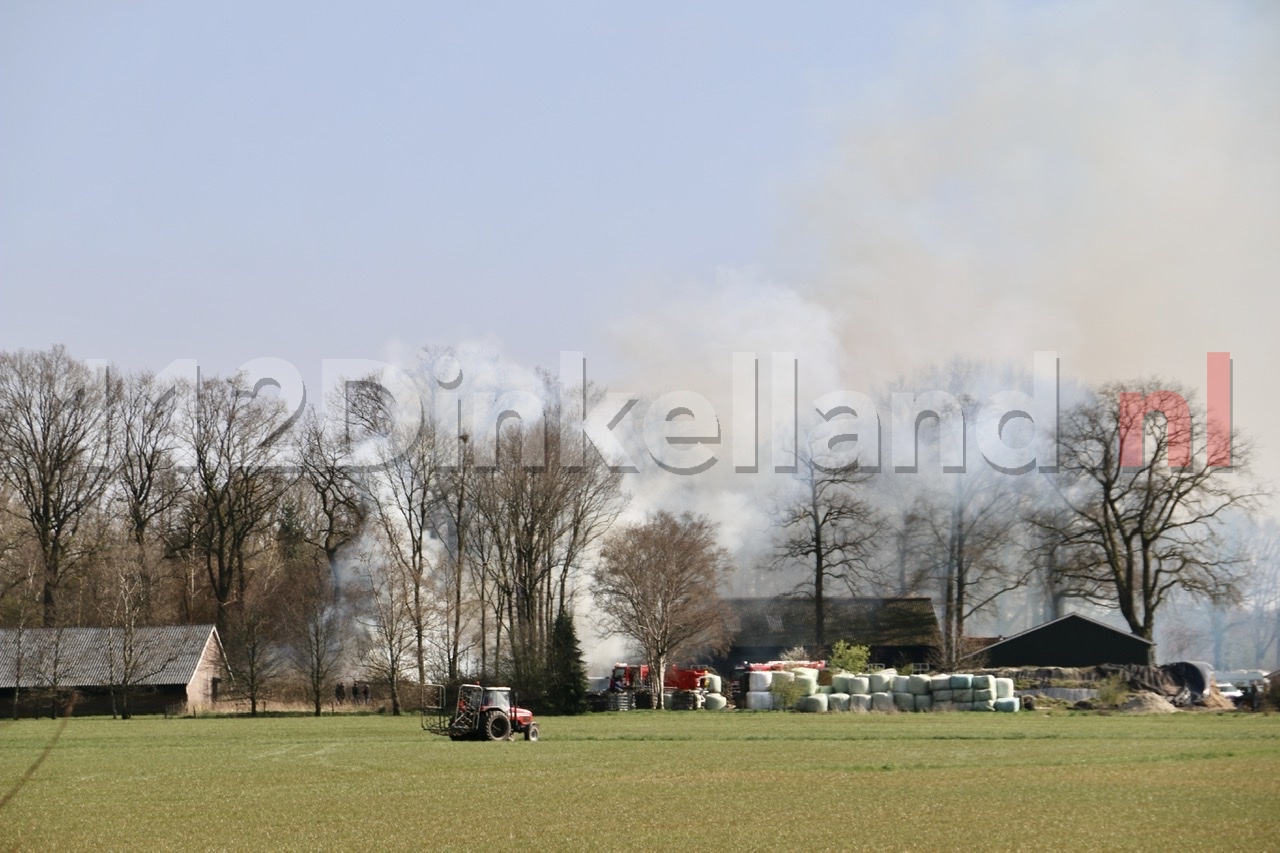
236, 180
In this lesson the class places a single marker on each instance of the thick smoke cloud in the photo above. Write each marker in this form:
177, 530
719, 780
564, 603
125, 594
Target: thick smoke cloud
1098, 180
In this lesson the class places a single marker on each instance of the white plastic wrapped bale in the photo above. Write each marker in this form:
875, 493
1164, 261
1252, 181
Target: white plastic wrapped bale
882, 681
805, 672
759, 682
882, 701
918, 685
986, 705
859, 685
838, 702
759, 700
1009, 704
714, 684
962, 681
939, 682
984, 682
1004, 688
840, 682
942, 695
984, 695
715, 702
962, 695
900, 683
924, 702
815, 704
859, 701
783, 675
904, 701
808, 684
826, 689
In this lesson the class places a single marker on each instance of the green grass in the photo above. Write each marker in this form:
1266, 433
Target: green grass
646, 780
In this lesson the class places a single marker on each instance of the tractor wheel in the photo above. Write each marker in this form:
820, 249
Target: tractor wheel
497, 726
531, 732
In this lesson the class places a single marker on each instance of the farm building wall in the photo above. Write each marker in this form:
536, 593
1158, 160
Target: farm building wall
92, 701
206, 682
1072, 641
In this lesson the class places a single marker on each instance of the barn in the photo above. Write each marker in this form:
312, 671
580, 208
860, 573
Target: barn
62, 671
1072, 640
898, 630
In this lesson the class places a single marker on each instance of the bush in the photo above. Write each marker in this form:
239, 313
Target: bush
1113, 691
786, 694
848, 657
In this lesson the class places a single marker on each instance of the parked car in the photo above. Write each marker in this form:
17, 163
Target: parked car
1235, 694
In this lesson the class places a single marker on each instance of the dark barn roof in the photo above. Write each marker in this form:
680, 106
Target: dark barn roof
1069, 641
896, 629
82, 657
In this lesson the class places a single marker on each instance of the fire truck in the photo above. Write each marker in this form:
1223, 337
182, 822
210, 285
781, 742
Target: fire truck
634, 678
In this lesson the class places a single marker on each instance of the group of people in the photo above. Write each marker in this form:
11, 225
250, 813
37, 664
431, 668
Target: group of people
359, 693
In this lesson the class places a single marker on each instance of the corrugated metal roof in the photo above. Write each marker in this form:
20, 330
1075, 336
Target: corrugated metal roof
88, 657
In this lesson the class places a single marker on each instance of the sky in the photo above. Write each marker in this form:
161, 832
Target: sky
875, 187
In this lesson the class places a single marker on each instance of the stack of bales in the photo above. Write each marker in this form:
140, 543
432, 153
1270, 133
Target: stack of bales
888, 691
759, 696
714, 700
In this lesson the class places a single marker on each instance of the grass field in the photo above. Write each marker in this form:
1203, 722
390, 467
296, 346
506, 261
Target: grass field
648, 780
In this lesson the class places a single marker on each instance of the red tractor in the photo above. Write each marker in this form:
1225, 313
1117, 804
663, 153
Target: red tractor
481, 713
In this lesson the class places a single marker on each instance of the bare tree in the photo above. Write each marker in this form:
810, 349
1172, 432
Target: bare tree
50, 666
149, 483
340, 506
973, 527
1050, 557
538, 517
657, 584
255, 655
1260, 594
1143, 529
829, 529
134, 655
237, 484
905, 533
58, 452
388, 614
314, 632
18, 653
407, 490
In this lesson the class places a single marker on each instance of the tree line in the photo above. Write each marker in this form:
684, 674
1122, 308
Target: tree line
131, 500
323, 544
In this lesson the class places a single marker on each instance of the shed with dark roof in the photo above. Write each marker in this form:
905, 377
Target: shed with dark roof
106, 670
898, 630
1073, 640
